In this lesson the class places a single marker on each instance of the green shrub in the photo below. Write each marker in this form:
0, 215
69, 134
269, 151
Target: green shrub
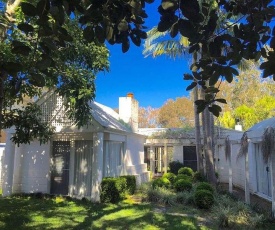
198, 176
112, 190
160, 195
182, 176
205, 186
186, 171
175, 166
204, 199
121, 184
182, 185
170, 176
130, 184
161, 182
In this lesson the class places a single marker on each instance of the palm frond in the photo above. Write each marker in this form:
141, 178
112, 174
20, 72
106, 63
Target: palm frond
171, 48
156, 44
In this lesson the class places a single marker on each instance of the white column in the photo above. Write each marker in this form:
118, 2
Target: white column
97, 166
230, 180
8, 166
72, 168
165, 158
152, 160
247, 190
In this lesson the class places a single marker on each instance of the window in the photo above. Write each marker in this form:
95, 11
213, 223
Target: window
113, 155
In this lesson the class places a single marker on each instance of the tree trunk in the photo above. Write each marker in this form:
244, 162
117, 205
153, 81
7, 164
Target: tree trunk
208, 147
198, 133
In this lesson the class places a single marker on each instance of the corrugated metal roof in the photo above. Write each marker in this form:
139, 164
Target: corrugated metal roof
258, 129
181, 133
107, 117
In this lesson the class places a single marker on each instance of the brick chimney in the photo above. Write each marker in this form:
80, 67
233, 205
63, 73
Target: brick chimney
128, 111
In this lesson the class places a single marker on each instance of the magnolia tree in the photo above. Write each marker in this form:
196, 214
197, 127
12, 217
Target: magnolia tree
53, 44
34, 35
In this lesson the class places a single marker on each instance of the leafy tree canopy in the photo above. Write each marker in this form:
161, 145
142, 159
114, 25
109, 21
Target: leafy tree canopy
36, 55
224, 32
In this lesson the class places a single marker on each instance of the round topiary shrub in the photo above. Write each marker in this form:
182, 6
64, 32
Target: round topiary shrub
186, 171
161, 182
174, 166
170, 176
205, 186
182, 185
184, 177
204, 199
198, 176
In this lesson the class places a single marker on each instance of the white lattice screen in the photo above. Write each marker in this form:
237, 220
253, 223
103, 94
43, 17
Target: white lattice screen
54, 111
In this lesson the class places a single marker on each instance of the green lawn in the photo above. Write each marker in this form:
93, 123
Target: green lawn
32, 213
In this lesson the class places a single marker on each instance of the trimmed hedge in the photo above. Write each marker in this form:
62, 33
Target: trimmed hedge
170, 176
130, 184
175, 166
112, 189
198, 176
161, 182
205, 186
186, 171
204, 199
182, 185
183, 176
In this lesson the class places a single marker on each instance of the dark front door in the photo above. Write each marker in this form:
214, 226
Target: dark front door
190, 157
60, 167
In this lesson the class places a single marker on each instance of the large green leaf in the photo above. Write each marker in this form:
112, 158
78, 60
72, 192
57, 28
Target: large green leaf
135, 39
44, 63
174, 29
125, 45
37, 80
13, 67
20, 48
89, 34
43, 7
100, 34
25, 27
191, 86
215, 109
28, 9
221, 100
164, 25
188, 76
186, 28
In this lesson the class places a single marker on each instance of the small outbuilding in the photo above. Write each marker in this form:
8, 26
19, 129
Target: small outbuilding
75, 160
164, 145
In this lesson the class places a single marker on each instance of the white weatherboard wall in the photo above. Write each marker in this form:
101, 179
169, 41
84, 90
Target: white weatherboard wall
32, 168
2, 151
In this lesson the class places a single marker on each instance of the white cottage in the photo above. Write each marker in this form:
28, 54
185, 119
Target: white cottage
75, 160
164, 145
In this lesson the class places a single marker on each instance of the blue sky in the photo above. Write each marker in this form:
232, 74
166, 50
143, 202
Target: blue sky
152, 80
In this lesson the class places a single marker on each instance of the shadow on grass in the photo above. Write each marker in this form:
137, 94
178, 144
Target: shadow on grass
45, 213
